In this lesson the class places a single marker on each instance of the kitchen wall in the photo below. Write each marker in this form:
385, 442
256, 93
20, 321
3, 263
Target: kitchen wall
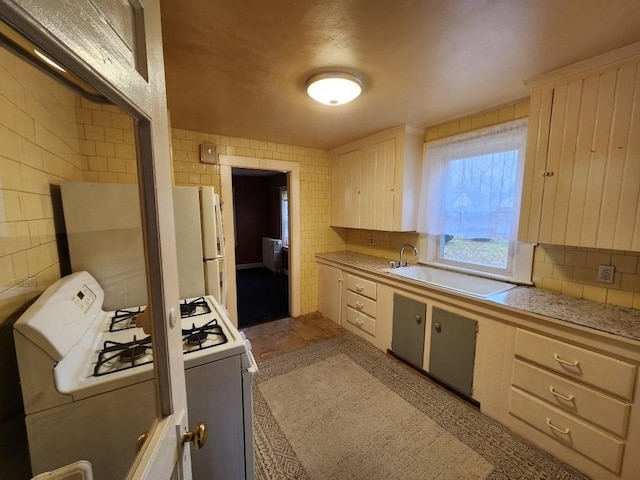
316, 235
572, 271
39, 148
569, 270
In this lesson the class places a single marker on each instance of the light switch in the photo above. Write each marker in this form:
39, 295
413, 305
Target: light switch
208, 153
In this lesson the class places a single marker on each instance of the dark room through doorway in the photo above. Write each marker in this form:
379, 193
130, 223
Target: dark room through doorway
261, 221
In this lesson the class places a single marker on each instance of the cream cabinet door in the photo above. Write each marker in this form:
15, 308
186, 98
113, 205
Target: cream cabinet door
345, 189
582, 178
116, 47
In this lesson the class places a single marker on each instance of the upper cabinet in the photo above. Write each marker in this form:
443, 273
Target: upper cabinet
582, 170
375, 181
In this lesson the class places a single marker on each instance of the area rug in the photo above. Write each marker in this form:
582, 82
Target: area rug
341, 409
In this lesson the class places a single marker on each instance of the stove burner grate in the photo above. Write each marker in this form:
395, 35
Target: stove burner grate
198, 336
130, 355
195, 307
123, 319
117, 356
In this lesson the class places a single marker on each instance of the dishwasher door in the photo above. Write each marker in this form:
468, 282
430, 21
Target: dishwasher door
409, 319
453, 349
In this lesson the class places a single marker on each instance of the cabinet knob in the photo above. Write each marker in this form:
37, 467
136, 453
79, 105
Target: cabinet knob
547, 174
418, 318
359, 288
437, 327
359, 305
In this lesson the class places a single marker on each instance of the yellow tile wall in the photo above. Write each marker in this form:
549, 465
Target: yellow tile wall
316, 235
106, 138
38, 148
573, 270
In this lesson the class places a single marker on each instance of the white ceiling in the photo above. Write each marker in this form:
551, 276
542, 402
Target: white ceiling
239, 67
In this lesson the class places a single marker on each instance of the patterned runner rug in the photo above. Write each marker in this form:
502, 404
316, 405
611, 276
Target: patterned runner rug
342, 409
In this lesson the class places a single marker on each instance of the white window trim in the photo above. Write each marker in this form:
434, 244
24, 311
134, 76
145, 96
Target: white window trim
520, 261
520, 270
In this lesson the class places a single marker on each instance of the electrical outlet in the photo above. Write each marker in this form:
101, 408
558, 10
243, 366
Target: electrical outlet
605, 273
372, 241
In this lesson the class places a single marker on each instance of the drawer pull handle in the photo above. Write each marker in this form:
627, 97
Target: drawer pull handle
564, 431
359, 322
575, 363
359, 305
359, 287
567, 398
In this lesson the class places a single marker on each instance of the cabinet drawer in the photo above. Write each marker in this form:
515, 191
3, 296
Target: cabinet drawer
597, 408
582, 437
600, 371
361, 304
361, 286
362, 321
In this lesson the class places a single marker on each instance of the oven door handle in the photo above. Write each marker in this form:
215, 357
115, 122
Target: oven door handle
252, 368
253, 365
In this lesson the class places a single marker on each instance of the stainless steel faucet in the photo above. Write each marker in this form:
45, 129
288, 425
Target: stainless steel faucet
406, 263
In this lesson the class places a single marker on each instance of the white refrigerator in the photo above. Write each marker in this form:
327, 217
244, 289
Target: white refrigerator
104, 235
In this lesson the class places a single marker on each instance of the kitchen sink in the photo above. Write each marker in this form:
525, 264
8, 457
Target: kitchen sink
458, 282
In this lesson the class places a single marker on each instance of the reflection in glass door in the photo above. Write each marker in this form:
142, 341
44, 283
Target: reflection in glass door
60, 142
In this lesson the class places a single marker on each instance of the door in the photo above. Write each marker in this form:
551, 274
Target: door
453, 349
409, 320
116, 47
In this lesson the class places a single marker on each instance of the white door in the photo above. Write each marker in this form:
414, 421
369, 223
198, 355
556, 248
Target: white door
116, 47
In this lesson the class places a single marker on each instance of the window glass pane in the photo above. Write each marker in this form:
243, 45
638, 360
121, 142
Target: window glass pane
479, 197
284, 215
486, 252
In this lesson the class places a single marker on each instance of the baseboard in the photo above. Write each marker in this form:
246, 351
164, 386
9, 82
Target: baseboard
246, 266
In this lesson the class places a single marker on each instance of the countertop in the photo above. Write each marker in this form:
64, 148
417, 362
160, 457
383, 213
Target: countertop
620, 321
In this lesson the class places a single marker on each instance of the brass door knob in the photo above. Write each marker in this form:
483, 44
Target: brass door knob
197, 436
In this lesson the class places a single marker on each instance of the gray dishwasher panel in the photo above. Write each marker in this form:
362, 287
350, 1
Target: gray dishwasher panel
409, 319
453, 349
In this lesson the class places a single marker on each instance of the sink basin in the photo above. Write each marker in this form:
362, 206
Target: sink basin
458, 282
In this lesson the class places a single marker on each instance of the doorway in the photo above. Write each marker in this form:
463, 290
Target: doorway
292, 169
260, 200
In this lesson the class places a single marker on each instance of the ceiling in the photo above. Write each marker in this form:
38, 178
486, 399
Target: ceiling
239, 68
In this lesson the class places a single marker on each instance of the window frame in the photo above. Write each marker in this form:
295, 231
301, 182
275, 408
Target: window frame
520, 255
284, 229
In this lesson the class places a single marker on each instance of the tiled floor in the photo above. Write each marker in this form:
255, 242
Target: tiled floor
288, 334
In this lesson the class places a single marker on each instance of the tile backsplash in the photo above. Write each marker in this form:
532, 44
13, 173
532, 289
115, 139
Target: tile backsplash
573, 271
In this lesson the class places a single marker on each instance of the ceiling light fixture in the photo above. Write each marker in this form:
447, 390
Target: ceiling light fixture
334, 88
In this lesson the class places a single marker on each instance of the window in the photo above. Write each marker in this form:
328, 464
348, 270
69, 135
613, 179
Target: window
470, 203
284, 216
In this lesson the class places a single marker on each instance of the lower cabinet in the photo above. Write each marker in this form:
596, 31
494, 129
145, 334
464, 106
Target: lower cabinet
575, 403
330, 292
361, 306
453, 349
409, 321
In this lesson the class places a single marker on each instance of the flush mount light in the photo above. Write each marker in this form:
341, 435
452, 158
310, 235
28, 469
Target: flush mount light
334, 88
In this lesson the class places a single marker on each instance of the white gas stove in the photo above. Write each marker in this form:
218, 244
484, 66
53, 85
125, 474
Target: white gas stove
98, 358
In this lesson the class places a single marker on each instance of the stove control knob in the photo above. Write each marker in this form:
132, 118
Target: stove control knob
198, 436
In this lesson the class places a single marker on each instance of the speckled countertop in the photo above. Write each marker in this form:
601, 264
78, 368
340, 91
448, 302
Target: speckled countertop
624, 322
